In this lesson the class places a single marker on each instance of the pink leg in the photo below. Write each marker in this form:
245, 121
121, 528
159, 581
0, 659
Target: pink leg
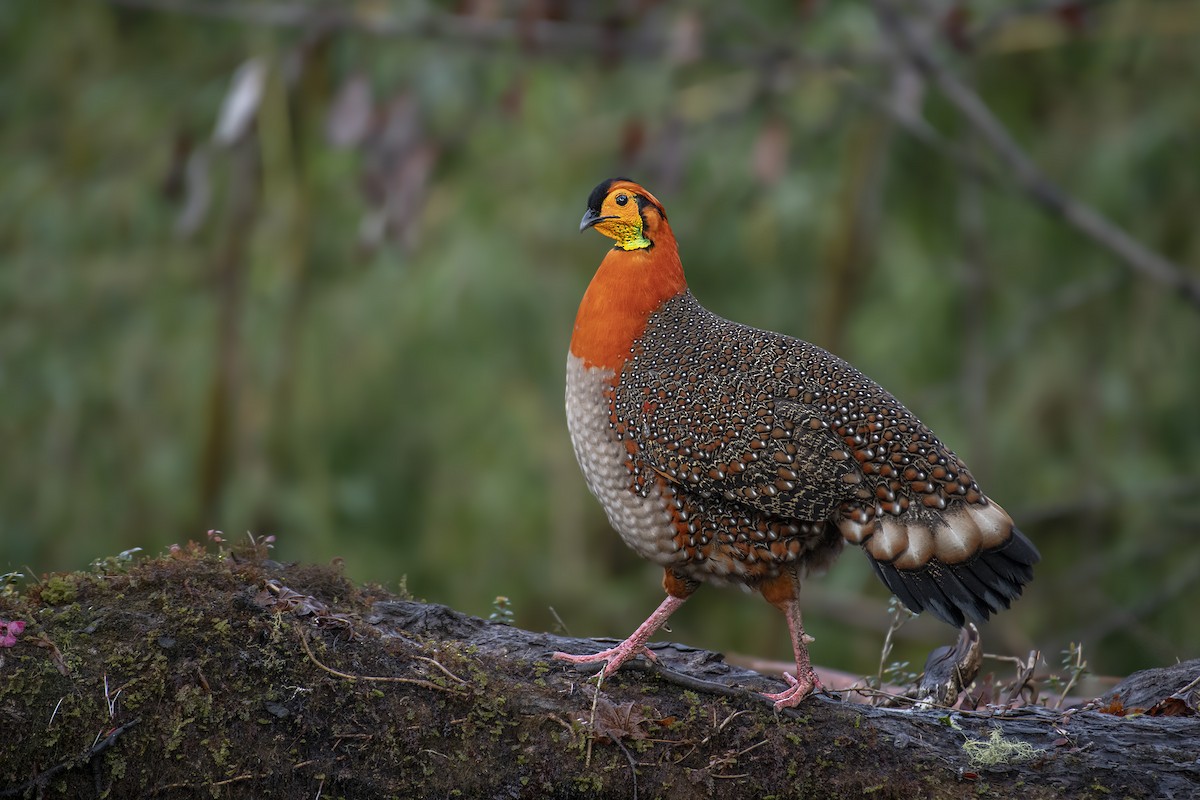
806, 680
634, 645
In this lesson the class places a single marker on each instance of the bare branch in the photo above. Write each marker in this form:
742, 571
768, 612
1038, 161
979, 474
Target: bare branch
1025, 172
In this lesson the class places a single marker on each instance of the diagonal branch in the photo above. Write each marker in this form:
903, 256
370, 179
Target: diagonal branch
1025, 173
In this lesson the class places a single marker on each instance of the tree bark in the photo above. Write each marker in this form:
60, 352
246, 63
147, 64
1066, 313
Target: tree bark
216, 676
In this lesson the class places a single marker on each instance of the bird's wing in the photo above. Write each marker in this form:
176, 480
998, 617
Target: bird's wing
723, 435
773, 425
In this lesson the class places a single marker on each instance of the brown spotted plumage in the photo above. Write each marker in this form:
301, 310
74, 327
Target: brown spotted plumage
728, 454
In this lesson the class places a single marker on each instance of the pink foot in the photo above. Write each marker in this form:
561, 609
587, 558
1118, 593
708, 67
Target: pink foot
797, 690
632, 647
614, 656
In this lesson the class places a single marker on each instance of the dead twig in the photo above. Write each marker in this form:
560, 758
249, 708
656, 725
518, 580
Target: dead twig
444, 671
170, 787
377, 678
632, 765
1025, 672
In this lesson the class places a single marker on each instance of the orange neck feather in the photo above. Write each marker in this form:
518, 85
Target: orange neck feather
629, 286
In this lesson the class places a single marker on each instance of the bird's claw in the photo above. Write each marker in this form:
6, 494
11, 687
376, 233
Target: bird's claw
797, 690
613, 657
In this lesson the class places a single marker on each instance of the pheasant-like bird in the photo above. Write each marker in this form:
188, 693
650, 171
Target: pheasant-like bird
739, 456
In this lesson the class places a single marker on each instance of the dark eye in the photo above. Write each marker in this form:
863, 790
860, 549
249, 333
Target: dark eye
622, 199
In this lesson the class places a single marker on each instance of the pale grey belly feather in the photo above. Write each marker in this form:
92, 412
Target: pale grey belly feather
643, 522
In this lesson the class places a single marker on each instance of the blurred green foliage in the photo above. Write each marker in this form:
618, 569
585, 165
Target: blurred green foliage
346, 322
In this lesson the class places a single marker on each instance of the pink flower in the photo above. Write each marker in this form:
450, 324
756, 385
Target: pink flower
9, 631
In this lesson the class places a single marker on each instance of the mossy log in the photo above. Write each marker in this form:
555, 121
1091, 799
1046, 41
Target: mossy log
216, 676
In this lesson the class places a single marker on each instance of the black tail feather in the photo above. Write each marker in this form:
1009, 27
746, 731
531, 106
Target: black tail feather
972, 590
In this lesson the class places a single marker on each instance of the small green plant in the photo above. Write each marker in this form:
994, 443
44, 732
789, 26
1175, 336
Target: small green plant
257, 548
1073, 666
118, 563
501, 610
218, 538
898, 673
8, 583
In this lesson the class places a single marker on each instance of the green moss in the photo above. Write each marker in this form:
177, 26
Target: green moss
589, 783
58, 590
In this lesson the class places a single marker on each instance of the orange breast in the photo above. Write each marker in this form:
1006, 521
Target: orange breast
629, 286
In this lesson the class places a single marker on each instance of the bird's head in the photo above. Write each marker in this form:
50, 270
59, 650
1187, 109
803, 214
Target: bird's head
635, 277
625, 212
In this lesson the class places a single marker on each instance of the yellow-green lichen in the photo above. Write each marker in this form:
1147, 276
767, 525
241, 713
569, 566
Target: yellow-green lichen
996, 750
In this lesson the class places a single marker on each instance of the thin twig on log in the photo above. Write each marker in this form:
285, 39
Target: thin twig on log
379, 678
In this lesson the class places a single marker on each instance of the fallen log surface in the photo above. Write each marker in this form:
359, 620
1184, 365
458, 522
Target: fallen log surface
211, 675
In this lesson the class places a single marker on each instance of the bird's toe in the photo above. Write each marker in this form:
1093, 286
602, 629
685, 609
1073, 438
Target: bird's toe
797, 690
